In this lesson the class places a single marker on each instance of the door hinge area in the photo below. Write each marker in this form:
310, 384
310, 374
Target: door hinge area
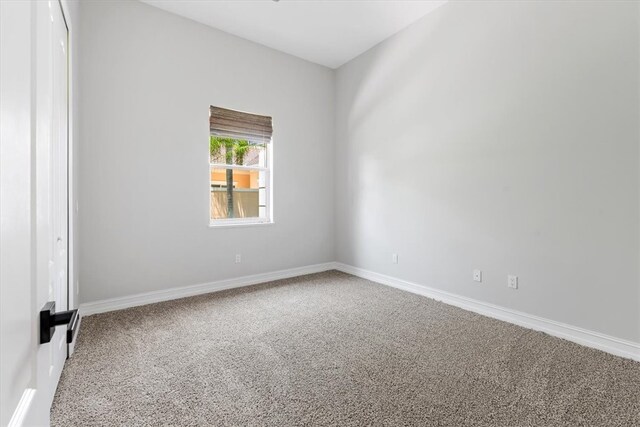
49, 319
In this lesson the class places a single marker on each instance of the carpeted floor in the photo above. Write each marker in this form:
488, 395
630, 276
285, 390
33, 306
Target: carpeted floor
331, 349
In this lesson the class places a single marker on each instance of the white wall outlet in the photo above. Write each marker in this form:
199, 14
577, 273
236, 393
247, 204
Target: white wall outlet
238, 258
512, 282
394, 258
477, 275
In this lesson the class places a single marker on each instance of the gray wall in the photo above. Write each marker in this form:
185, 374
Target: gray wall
494, 135
147, 79
501, 136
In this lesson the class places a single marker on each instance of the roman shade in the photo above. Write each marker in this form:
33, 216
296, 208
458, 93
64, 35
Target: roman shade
239, 125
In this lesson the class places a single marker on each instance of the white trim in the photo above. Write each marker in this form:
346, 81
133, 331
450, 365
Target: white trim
72, 290
19, 415
87, 309
268, 186
609, 344
72, 346
239, 222
238, 167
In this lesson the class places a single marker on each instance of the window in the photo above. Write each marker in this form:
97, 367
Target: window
239, 167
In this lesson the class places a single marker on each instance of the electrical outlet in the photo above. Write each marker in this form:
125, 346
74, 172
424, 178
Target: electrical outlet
477, 275
512, 282
238, 258
394, 258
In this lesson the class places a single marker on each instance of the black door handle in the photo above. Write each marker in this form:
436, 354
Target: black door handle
49, 319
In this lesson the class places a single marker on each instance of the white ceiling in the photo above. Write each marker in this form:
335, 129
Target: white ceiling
327, 32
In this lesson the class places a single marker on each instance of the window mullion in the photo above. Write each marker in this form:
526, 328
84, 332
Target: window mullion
238, 167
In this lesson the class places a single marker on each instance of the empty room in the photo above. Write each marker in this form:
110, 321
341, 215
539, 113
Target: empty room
319, 213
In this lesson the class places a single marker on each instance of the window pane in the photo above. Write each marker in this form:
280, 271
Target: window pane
237, 193
237, 152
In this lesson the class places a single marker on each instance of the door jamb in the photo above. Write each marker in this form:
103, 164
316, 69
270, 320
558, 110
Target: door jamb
72, 288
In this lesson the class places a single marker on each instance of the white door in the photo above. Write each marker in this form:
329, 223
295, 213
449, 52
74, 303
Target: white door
33, 204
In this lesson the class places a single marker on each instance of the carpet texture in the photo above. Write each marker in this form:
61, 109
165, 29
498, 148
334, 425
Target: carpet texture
331, 349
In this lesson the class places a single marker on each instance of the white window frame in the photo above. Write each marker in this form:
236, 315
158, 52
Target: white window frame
268, 170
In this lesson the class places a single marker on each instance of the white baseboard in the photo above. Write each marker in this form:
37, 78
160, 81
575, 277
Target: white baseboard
609, 344
22, 410
112, 304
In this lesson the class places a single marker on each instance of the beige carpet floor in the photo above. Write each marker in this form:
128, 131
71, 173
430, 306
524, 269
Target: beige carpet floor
331, 349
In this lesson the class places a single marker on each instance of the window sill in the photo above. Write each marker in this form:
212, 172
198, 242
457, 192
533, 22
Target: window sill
231, 224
